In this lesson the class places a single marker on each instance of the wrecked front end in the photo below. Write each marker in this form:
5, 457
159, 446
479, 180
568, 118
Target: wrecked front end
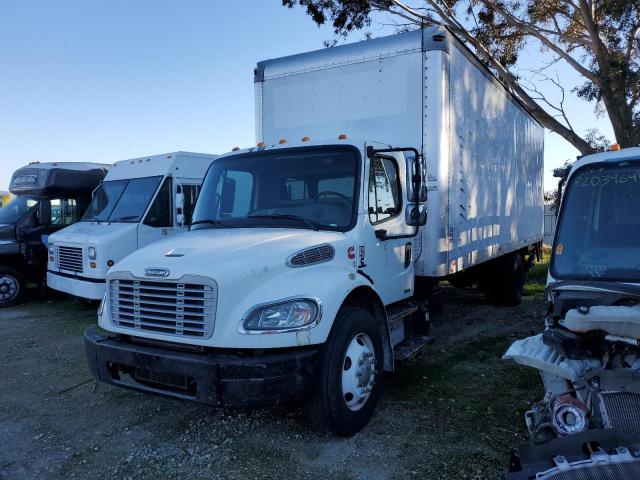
589, 359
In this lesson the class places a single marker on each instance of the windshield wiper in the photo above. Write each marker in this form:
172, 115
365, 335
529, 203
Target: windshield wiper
282, 216
124, 219
215, 223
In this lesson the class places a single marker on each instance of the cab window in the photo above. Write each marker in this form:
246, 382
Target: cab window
384, 190
160, 213
63, 211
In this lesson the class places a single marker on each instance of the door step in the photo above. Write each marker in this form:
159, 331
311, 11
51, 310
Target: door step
399, 312
410, 347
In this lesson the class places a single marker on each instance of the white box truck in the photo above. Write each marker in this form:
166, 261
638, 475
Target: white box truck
141, 200
297, 278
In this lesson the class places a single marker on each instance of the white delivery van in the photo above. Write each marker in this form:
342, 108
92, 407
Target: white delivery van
139, 201
297, 278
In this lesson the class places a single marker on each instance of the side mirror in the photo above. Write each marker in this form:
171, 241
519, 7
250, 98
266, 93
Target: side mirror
416, 215
179, 201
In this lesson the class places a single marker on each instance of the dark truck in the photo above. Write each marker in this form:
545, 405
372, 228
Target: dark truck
48, 198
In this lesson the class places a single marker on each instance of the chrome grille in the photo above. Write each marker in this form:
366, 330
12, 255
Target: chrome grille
610, 471
70, 258
184, 308
312, 256
621, 410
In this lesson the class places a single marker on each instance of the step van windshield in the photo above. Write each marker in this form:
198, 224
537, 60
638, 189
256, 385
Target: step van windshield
122, 200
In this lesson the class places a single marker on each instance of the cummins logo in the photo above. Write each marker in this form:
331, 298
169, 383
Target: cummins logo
156, 272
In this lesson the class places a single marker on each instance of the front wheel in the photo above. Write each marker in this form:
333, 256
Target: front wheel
12, 287
348, 382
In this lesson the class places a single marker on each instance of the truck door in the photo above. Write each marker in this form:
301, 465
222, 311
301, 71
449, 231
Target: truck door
386, 254
159, 221
49, 216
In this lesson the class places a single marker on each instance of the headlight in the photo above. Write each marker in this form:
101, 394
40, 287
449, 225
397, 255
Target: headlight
288, 315
52, 248
92, 253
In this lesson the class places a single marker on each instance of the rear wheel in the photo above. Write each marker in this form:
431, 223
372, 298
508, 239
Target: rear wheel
348, 382
12, 287
505, 285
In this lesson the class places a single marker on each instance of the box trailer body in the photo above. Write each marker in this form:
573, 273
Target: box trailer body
422, 89
48, 197
141, 200
301, 265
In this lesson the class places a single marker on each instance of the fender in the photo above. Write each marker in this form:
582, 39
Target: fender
365, 296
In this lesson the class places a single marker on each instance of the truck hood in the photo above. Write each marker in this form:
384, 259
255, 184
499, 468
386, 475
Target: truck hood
94, 233
219, 252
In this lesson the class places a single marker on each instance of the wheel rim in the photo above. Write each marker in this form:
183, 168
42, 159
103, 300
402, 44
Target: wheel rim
358, 372
9, 287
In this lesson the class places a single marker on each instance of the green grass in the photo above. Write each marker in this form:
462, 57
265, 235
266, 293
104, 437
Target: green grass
537, 277
473, 403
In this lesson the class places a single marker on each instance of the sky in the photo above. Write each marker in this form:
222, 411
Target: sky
103, 81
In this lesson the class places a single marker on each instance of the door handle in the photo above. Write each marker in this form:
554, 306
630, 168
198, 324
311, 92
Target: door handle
408, 254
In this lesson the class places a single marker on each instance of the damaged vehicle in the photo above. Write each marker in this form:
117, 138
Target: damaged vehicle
589, 352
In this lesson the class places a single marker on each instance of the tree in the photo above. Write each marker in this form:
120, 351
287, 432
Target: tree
599, 39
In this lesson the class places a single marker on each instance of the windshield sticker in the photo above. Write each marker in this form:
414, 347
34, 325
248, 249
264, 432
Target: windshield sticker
600, 179
560, 249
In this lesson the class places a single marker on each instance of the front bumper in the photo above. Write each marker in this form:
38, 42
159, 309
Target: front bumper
593, 454
78, 287
221, 379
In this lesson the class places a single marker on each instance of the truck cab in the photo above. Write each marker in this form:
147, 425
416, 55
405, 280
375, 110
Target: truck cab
140, 201
48, 198
589, 351
294, 282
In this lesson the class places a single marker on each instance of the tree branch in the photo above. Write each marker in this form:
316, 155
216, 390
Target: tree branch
547, 120
515, 22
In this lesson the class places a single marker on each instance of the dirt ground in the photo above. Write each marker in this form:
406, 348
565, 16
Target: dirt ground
452, 413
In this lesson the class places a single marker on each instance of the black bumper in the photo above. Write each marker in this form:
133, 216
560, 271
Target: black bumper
221, 379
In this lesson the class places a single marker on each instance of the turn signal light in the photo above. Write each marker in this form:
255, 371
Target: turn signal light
282, 141
92, 264
615, 147
342, 136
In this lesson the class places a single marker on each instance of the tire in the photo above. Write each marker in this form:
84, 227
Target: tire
506, 285
12, 287
348, 382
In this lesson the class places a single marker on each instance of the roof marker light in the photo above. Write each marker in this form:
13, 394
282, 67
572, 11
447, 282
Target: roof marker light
342, 136
615, 147
282, 141
306, 139
260, 144
235, 149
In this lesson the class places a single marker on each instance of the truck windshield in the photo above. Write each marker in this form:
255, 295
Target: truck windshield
599, 228
121, 200
16, 208
311, 187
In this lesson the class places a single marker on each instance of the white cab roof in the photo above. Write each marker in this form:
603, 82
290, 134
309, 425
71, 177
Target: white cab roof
180, 164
